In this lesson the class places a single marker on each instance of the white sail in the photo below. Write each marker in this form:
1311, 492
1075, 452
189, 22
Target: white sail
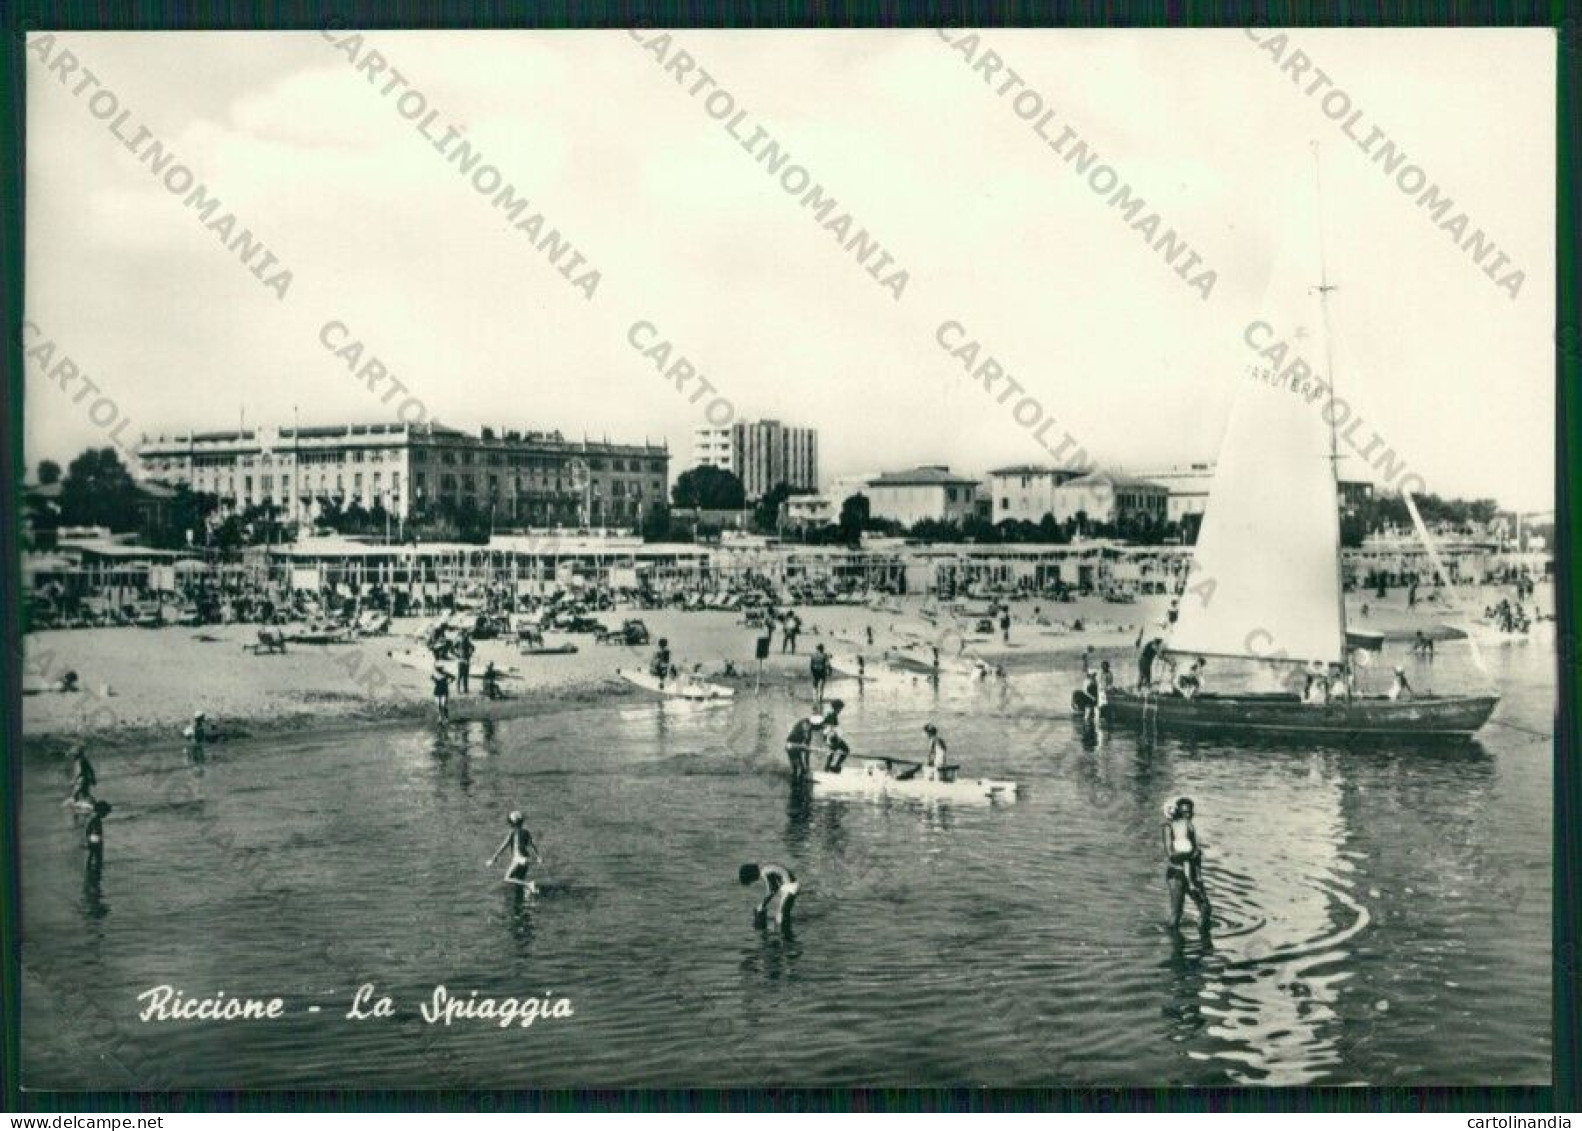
1265, 575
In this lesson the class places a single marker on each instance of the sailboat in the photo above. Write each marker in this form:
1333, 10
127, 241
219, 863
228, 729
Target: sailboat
1265, 581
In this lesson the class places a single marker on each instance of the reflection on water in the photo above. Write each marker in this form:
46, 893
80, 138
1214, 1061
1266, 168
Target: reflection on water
1381, 914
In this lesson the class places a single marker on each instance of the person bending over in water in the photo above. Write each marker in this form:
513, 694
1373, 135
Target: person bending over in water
800, 741
834, 745
1184, 867
780, 890
93, 834
523, 850
197, 733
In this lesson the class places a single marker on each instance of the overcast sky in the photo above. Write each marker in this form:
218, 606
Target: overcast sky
689, 233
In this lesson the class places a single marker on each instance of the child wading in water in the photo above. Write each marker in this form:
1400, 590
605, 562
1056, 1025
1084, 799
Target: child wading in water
1184, 870
520, 841
93, 834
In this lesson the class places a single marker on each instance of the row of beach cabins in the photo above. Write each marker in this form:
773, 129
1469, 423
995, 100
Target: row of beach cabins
98, 581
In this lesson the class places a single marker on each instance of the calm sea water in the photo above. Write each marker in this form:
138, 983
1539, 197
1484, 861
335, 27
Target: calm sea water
1385, 912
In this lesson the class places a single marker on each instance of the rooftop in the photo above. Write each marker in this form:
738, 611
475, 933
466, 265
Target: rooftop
1033, 469
1113, 479
923, 477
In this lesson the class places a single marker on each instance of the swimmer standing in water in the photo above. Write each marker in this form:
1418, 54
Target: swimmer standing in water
780, 891
520, 841
1184, 867
93, 835
83, 778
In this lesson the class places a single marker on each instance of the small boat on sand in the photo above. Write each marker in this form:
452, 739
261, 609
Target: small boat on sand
546, 649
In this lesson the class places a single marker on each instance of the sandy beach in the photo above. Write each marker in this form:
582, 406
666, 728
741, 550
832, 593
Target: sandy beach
137, 682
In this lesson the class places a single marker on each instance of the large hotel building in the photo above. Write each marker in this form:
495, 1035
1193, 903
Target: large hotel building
523, 478
762, 454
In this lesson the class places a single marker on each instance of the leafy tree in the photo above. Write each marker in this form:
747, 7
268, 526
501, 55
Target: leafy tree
855, 514
766, 515
329, 512
99, 491
656, 523
48, 472
975, 529
261, 524
936, 530
229, 536
711, 488
189, 511
468, 521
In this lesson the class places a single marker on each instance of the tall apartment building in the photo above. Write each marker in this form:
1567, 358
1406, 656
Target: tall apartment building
524, 478
762, 454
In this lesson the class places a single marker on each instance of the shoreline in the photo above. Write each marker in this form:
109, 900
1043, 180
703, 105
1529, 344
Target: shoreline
140, 685
143, 685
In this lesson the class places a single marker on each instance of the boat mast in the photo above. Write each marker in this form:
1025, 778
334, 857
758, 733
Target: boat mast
1324, 287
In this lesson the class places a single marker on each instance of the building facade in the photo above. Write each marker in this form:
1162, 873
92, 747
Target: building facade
1110, 496
811, 510
1189, 489
922, 494
522, 478
762, 454
1025, 492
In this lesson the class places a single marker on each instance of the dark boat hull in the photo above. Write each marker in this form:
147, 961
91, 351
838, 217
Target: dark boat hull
1424, 715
